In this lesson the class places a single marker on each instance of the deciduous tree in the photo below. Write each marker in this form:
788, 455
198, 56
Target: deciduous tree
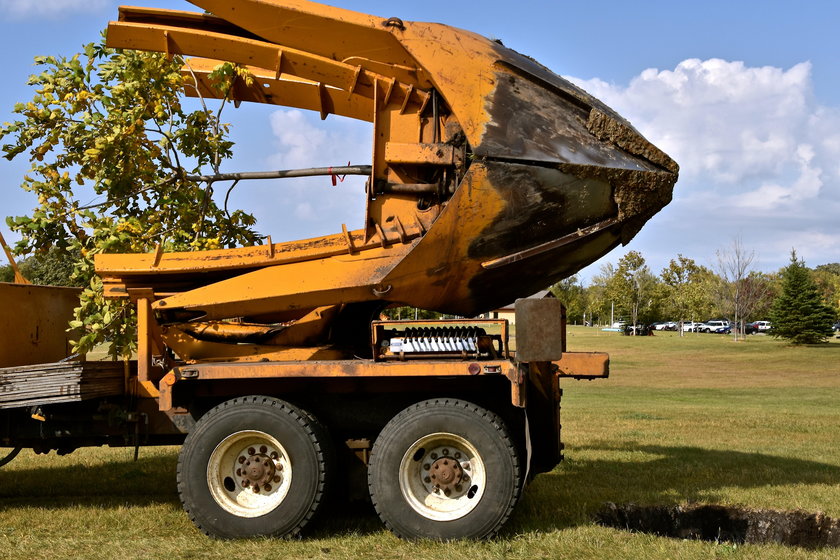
632, 286
110, 125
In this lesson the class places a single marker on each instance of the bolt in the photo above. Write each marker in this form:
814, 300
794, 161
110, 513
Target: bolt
251, 451
277, 478
245, 484
267, 487
238, 472
434, 455
445, 451
445, 463
263, 449
457, 455
427, 466
427, 480
465, 479
241, 459
447, 491
274, 455
434, 476
256, 489
458, 487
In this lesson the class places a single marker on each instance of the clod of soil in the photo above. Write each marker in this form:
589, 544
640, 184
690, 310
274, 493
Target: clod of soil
719, 523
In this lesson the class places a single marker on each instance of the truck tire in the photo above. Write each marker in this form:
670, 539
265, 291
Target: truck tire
444, 469
254, 466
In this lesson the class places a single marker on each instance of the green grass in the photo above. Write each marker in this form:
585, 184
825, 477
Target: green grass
698, 419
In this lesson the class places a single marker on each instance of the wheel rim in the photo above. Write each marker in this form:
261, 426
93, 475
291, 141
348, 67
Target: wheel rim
442, 476
249, 473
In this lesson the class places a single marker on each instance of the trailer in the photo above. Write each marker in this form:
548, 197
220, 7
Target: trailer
446, 419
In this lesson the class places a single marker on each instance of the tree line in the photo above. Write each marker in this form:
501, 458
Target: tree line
687, 291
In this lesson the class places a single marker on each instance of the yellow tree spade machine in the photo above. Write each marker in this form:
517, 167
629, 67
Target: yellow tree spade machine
491, 177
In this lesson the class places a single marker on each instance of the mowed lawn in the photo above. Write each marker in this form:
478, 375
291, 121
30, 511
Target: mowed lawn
698, 419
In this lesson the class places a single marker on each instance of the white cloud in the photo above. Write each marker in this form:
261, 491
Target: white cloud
759, 157
313, 205
22, 9
721, 120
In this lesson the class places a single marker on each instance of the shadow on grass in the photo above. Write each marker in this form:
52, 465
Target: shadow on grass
654, 475
569, 496
151, 481
34, 483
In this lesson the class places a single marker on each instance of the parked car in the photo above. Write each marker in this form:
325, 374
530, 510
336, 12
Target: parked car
690, 326
664, 326
750, 328
762, 326
714, 326
836, 326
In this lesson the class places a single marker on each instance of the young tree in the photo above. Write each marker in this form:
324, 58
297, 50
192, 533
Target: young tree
798, 313
686, 294
110, 124
738, 294
632, 286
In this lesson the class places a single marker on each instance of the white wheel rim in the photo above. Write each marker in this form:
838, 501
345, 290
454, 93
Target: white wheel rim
455, 490
249, 473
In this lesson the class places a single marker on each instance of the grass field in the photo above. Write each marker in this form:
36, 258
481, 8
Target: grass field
698, 419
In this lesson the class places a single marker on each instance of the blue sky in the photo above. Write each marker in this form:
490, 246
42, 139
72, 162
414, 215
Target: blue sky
744, 95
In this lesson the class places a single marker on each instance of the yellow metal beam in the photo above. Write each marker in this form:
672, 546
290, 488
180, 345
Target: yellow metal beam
19, 278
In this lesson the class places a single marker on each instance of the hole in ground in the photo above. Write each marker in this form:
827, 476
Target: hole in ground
719, 523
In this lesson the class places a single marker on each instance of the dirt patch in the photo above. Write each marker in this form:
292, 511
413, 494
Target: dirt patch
718, 523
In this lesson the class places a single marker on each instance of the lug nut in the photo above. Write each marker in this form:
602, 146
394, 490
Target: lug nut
238, 472
267, 487
445, 451
245, 484
263, 449
277, 478
457, 455
251, 451
427, 466
241, 459
434, 455
256, 489
427, 480
274, 455
458, 487
447, 491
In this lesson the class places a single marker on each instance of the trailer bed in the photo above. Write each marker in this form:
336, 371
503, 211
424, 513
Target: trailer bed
60, 382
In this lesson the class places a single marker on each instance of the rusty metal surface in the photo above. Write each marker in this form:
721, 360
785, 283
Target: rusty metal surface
491, 176
539, 330
583, 365
33, 323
